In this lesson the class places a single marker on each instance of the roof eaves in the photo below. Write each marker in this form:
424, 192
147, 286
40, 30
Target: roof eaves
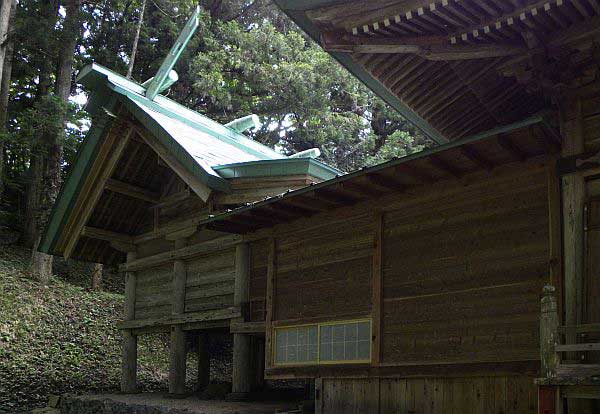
296, 11
75, 179
536, 119
280, 167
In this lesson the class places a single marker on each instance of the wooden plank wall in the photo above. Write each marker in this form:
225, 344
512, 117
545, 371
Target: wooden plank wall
210, 281
462, 273
471, 395
591, 122
153, 292
209, 285
258, 280
325, 271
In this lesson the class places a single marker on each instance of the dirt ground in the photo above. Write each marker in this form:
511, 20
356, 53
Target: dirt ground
196, 405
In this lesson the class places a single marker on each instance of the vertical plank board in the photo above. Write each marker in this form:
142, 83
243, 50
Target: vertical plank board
271, 271
377, 288
500, 393
555, 233
318, 395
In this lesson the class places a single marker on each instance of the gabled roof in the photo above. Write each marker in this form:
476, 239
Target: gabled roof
199, 146
183, 131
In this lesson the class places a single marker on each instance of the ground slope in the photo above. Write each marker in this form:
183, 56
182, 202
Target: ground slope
61, 338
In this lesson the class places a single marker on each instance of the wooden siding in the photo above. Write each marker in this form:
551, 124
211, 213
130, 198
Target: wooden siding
210, 281
462, 273
472, 395
325, 271
153, 292
258, 280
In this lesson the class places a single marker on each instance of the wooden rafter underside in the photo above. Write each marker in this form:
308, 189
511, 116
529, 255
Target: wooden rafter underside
464, 66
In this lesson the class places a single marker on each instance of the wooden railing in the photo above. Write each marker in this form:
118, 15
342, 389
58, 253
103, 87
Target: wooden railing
565, 350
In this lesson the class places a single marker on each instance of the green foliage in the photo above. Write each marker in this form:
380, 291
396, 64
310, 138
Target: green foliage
61, 339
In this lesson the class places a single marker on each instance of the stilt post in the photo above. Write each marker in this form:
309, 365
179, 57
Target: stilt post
243, 377
129, 354
178, 349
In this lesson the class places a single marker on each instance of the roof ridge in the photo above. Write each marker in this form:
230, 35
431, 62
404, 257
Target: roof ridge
196, 119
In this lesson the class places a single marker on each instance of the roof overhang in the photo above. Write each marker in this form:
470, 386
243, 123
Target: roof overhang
518, 142
453, 68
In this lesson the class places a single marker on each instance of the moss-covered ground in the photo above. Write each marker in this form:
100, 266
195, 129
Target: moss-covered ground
62, 338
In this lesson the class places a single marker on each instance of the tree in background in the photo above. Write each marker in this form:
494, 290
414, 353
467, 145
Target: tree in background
245, 58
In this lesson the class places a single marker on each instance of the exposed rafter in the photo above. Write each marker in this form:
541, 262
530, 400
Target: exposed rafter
429, 47
133, 191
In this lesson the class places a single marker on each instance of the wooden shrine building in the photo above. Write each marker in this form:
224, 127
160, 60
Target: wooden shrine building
461, 279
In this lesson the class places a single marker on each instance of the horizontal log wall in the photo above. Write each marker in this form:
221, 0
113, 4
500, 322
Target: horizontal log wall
474, 395
463, 268
210, 281
258, 280
209, 285
462, 273
153, 292
325, 271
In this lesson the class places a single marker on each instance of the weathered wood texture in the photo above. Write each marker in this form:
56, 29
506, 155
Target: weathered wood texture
472, 395
463, 273
154, 292
209, 285
210, 281
258, 280
325, 270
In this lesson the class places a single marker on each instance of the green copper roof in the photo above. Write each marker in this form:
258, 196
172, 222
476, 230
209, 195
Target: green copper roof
209, 150
283, 167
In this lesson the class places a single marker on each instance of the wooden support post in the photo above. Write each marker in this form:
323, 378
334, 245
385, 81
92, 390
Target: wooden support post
242, 377
573, 202
548, 333
269, 305
547, 400
377, 287
178, 336
129, 352
177, 361
203, 362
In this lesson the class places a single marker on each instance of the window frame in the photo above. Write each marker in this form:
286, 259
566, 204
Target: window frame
318, 325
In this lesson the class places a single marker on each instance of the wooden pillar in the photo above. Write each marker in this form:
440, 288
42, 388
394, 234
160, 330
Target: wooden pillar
178, 349
573, 202
203, 362
548, 332
129, 353
242, 377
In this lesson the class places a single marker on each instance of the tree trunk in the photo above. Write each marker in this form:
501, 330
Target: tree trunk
97, 277
5, 77
136, 40
42, 263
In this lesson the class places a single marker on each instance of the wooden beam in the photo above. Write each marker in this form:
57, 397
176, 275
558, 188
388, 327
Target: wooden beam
106, 235
573, 202
509, 146
386, 181
132, 191
129, 351
335, 197
444, 166
269, 303
186, 318
477, 158
92, 198
377, 288
429, 48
